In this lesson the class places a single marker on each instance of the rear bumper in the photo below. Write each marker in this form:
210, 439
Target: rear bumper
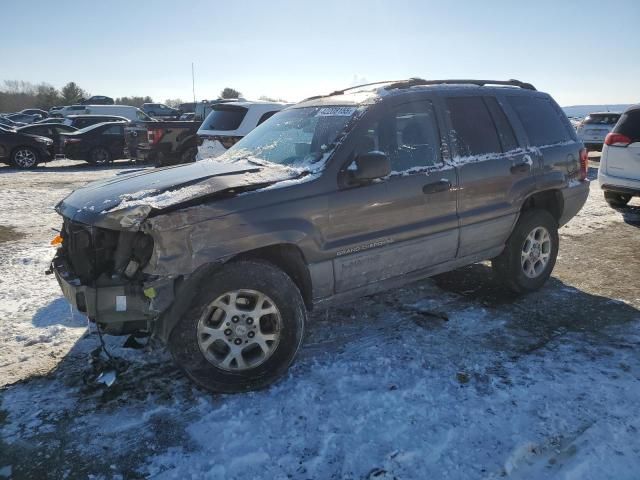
115, 304
574, 199
618, 184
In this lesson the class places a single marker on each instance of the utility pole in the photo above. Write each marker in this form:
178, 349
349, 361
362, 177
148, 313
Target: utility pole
193, 83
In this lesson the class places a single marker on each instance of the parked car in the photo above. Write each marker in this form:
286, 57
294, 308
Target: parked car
130, 113
189, 107
22, 117
339, 196
619, 172
50, 120
164, 143
69, 110
227, 123
595, 127
7, 122
48, 130
203, 108
189, 116
24, 150
160, 110
55, 108
82, 121
98, 144
35, 111
98, 100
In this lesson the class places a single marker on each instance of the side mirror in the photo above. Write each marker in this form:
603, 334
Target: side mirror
370, 166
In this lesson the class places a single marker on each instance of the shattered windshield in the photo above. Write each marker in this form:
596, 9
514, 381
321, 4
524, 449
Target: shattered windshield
298, 137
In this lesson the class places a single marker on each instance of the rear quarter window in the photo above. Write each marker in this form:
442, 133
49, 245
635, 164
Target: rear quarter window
629, 125
224, 118
541, 120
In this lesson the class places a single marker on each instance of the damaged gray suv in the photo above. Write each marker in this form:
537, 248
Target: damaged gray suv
337, 197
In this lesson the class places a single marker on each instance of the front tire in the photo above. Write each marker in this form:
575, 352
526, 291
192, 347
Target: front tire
616, 199
530, 252
24, 158
242, 330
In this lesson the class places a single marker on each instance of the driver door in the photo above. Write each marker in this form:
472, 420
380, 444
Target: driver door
404, 222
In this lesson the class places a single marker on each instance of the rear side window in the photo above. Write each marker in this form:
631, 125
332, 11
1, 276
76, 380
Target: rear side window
505, 132
224, 118
540, 119
629, 125
113, 130
474, 130
266, 116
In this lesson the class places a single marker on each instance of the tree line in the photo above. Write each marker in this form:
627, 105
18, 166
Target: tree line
16, 95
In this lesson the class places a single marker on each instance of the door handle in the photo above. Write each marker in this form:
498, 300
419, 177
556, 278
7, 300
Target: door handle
439, 186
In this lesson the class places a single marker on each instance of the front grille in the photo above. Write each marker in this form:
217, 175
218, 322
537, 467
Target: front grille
90, 250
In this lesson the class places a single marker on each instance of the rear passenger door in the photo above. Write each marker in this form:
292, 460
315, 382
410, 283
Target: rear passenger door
404, 222
493, 172
113, 137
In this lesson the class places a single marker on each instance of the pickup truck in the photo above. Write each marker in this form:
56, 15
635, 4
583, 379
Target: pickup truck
163, 143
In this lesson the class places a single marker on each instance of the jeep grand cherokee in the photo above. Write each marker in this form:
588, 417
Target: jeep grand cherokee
336, 197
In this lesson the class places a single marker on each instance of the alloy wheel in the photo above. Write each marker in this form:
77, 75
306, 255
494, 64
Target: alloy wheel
24, 158
239, 330
536, 252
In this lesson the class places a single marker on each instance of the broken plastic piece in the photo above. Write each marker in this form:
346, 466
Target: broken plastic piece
150, 292
107, 377
57, 240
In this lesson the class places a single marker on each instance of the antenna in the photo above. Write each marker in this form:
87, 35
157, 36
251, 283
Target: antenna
193, 83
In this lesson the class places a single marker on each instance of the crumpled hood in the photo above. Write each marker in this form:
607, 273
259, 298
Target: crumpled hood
124, 201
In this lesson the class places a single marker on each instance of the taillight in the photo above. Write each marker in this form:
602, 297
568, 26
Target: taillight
68, 141
154, 135
584, 164
617, 140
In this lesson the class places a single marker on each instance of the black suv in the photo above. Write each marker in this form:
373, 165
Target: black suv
337, 197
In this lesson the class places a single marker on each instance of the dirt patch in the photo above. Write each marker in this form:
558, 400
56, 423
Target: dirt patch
9, 234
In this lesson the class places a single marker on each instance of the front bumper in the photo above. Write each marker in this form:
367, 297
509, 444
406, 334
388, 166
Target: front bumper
113, 304
574, 198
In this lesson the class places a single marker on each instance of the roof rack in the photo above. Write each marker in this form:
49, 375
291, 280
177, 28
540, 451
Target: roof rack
341, 92
396, 84
419, 81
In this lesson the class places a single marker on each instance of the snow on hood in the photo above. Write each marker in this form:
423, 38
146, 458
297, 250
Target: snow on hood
129, 199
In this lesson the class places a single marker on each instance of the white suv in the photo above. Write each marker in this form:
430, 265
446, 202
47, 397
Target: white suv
229, 122
619, 173
593, 129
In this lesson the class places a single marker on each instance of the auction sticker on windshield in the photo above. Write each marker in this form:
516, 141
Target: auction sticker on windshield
336, 112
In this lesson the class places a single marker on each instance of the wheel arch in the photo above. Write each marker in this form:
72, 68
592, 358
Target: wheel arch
550, 200
288, 257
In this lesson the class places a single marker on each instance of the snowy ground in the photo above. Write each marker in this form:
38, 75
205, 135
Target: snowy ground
490, 386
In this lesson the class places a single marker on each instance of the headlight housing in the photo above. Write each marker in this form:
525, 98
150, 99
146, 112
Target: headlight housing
45, 140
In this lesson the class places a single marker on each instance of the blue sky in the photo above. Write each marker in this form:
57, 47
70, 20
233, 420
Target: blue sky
582, 52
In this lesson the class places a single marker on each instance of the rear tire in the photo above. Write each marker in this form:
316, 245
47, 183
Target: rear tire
616, 199
242, 330
99, 156
24, 158
530, 252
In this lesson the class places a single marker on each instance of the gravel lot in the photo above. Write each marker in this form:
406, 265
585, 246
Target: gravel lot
448, 378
